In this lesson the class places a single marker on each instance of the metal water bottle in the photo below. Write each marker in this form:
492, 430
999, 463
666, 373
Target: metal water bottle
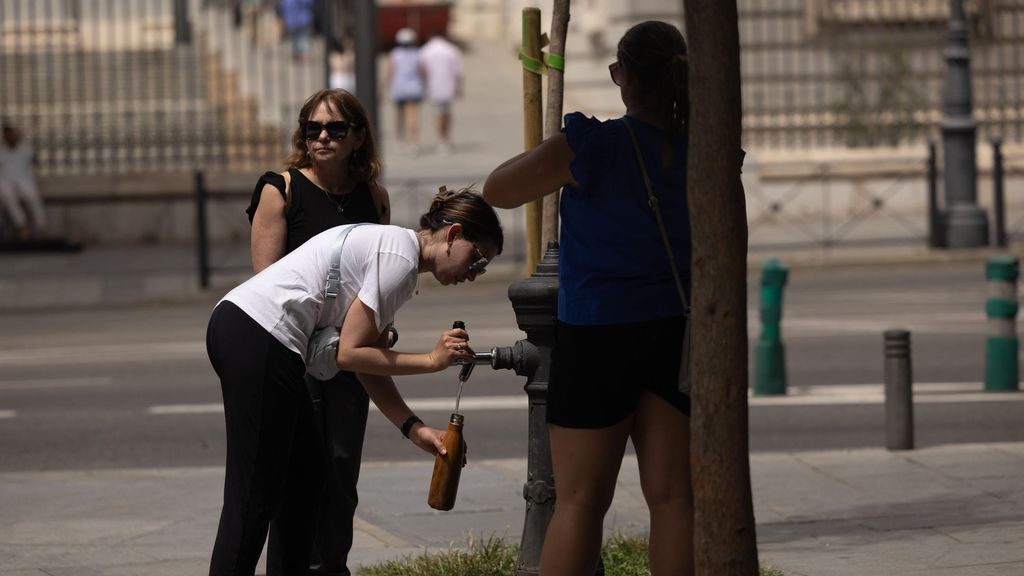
444, 484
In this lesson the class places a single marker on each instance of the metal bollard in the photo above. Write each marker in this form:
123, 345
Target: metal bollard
1001, 348
770, 369
899, 400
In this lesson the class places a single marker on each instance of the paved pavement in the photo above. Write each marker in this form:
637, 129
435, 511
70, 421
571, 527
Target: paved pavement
956, 509
943, 510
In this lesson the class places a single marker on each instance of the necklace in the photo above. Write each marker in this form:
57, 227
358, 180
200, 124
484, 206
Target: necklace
341, 204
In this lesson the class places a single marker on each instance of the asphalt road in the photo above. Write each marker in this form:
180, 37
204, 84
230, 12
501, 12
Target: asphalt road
123, 388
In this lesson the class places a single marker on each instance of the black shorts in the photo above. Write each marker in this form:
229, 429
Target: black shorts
599, 372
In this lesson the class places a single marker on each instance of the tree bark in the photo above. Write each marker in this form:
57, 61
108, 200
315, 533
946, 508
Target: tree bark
724, 537
553, 111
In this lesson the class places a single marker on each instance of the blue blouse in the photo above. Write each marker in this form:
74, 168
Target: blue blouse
613, 265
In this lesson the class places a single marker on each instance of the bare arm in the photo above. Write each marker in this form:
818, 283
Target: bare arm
269, 229
383, 203
362, 350
388, 399
531, 175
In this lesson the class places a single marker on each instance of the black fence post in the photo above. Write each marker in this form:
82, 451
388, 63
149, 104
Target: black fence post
935, 226
182, 28
203, 243
998, 193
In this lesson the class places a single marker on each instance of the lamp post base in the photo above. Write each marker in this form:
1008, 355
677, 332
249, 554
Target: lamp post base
966, 226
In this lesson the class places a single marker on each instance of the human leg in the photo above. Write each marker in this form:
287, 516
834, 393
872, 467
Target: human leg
345, 406
586, 466
400, 121
261, 406
26, 190
412, 123
661, 436
444, 122
10, 204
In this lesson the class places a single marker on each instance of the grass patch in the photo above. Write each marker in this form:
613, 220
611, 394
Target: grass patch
623, 556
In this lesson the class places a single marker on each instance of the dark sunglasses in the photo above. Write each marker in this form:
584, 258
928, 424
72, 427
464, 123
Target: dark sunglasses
335, 130
613, 71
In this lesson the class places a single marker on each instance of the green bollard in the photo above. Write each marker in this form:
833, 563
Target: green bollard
770, 369
1001, 349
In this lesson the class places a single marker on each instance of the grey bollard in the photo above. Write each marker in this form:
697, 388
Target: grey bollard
899, 399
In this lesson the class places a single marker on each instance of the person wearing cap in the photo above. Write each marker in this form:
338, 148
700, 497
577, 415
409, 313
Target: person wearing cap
404, 77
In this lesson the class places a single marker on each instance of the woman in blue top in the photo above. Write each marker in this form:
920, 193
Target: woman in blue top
615, 364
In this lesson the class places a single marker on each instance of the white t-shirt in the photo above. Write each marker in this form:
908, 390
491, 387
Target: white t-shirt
443, 63
378, 266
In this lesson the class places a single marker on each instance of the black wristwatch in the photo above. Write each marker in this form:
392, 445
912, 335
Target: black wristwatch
409, 423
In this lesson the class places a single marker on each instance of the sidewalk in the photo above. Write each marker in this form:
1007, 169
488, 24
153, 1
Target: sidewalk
942, 510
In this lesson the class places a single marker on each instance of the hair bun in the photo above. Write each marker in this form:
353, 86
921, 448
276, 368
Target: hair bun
441, 198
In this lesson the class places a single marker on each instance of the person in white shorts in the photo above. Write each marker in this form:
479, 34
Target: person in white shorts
442, 62
259, 342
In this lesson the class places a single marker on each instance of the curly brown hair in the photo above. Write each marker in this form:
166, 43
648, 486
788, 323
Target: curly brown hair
364, 164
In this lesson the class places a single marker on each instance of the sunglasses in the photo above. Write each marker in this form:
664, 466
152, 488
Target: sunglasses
479, 266
613, 71
337, 130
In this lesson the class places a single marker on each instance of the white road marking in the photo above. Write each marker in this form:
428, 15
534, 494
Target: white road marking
104, 353
43, 383
6, 414
861, 394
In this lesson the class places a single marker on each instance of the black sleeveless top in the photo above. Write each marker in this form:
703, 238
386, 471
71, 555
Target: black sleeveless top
312, 209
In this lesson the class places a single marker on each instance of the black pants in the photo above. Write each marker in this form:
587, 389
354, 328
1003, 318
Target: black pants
341, 406
274, 468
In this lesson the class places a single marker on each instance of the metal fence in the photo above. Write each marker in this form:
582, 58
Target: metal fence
864, 73
138, 86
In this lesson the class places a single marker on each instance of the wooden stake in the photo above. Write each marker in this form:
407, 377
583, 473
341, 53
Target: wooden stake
532, 127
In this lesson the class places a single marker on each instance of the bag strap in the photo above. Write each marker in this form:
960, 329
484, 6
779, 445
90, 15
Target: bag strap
652, 201
332, 286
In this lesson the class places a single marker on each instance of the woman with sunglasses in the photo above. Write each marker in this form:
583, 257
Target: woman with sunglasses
260, 341
618, 301
330, 180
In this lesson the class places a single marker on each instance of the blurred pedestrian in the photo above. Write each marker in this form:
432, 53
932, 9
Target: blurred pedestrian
404, 78
265, 334
331, 180
297, 18
18, 190
442, 63
342, 62
621, 297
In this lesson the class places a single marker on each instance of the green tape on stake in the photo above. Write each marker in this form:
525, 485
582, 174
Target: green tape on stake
530, 63
556, 61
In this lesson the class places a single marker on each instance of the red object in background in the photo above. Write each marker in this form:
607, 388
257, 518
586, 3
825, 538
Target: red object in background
426, 18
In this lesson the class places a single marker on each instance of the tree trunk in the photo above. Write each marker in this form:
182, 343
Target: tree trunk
553, 111
724, 538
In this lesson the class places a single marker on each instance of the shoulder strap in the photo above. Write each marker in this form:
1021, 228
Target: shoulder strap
652, 201
332, 286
